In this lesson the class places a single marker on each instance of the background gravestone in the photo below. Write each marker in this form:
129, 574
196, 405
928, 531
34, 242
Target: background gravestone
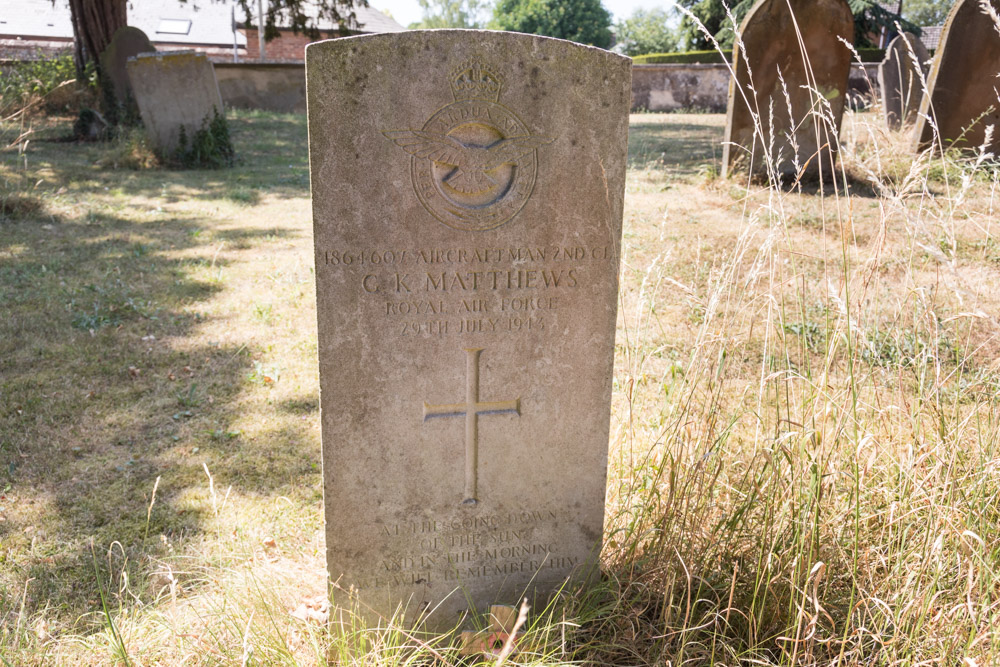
770, 46
963, 81
126, 43
174, 89
467, 207
898, 75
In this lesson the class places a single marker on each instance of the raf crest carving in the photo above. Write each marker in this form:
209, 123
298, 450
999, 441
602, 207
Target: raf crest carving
474, 162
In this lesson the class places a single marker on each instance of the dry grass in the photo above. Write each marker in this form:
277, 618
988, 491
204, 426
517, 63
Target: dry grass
805, 428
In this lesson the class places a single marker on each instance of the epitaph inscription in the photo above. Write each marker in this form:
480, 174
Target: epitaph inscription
467, 251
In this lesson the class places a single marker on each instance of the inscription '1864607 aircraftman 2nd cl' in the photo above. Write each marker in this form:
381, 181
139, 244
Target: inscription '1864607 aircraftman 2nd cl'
474, 162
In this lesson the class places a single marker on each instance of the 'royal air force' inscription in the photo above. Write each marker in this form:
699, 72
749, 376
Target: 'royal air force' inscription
448, 291
468, 548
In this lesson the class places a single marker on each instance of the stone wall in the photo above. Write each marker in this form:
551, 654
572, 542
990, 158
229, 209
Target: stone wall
286, 47
676, 87
706, 87
282, 87
268, 86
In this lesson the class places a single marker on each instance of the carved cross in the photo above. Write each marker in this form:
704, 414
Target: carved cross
471, 409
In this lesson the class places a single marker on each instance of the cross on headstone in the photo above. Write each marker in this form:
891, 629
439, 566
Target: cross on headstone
472, 408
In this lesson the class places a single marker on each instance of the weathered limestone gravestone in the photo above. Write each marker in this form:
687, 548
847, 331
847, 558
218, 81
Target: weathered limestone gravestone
962, 96
126, 43
173, 89
899, 76
467, 206
816, 81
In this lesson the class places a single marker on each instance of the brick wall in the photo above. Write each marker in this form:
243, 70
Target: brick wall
288, 48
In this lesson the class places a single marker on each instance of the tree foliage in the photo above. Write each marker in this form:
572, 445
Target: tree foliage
870, 17
645, 31
301, 16
451, 14
927, 12
583, 21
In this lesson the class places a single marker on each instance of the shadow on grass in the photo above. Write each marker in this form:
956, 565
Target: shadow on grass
272, 157
681, 148
106, 385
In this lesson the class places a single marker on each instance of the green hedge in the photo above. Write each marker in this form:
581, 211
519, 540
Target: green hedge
711, 57
686, 58
871, 55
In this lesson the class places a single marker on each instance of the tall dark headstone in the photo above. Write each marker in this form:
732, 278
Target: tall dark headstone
899, 77
127, 42
788, 59
962, 98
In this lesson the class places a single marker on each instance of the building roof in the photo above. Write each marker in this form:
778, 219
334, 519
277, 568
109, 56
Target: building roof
930, 35
369, 19
208, 22
372, 20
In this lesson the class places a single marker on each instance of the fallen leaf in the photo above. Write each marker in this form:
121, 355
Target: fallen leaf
316, 610
171, 377
42, 630
270, 543
134, 372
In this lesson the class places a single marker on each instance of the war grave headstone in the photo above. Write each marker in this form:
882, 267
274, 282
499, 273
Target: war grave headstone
126, 43
962, 85
899, 76
467, 192
812, 80
174, 89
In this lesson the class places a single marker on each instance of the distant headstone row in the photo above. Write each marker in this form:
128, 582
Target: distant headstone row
791, 68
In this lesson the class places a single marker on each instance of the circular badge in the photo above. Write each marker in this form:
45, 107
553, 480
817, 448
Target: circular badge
495, 170
474, 162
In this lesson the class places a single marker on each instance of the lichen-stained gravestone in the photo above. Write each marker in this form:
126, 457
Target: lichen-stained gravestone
174, 89
962, 98
467, 193
126, 43
815, 84
900, 80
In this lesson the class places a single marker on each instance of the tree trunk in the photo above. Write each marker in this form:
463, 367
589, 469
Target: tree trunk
94, 22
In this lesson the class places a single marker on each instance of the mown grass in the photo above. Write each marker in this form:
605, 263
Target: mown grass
804, 455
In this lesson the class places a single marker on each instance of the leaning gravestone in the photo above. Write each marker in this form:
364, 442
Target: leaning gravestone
126, 43
815, 83
467, 203
174, 89
899, 77
963, 82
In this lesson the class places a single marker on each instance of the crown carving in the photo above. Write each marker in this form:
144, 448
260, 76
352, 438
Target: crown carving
473, 80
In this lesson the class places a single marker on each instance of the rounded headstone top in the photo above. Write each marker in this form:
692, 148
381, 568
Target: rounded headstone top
126, 43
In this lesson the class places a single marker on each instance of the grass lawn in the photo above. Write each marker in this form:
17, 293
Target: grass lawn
805, 448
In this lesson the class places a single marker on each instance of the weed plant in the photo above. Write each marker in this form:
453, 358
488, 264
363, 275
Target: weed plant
209, 147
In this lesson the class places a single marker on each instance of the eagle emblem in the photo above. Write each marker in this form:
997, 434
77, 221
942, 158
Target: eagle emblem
474, 161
